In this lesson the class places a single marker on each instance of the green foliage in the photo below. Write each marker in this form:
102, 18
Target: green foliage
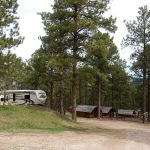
77, 42
69, 30
10, 68
138, 30
12, 71
138, 38
120, 87
9, 30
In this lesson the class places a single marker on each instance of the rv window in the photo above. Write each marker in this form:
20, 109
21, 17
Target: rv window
42, 96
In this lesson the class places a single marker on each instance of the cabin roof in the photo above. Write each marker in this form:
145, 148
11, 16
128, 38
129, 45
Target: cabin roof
105, 109
126, 112
85, 108
90, 108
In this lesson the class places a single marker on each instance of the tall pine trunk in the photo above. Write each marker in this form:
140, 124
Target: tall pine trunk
62, 99
86, 93
144, 93
112, 94
74, 85
51, 91
80, 90
148, 95
144, 74
99, 97
74, 66
51, 95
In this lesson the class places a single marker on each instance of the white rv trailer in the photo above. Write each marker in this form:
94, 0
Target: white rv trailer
26, 96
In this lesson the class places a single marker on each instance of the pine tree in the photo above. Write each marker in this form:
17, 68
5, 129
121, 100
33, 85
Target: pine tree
77, 20
98, 52
138, 37
9, 29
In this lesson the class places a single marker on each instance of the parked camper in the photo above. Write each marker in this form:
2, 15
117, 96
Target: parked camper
1, 97
26, 96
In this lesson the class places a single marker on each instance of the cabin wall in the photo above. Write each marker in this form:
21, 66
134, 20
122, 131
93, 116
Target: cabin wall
111, 114
126, 115
85, 114
92, 114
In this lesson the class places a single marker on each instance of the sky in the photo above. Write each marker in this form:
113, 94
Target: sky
31, 26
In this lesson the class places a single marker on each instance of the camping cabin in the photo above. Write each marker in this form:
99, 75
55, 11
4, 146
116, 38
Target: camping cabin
126, 113
90, 111
87, 111
107, 112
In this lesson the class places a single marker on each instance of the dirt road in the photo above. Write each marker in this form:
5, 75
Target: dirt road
112, 135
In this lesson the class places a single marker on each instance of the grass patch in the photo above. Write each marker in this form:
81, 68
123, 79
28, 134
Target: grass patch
27, 118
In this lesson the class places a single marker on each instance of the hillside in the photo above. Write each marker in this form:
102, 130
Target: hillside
26, 118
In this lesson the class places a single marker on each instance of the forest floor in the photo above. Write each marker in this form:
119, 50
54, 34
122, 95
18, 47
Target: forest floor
106, 135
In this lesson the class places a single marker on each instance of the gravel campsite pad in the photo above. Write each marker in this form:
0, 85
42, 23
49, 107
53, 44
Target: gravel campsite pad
111, 135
